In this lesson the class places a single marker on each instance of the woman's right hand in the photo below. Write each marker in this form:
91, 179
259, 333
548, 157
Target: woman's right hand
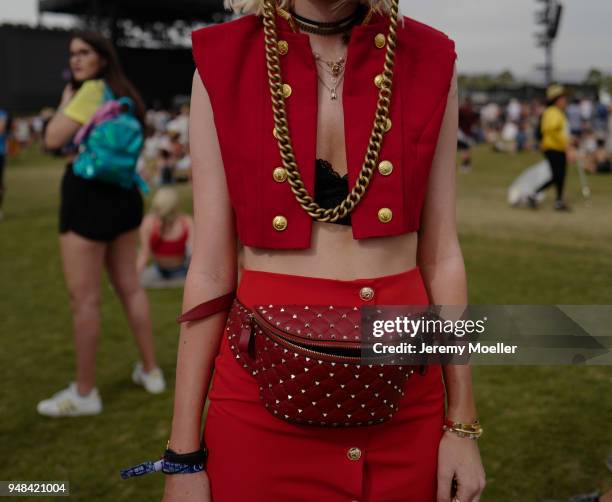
187, 488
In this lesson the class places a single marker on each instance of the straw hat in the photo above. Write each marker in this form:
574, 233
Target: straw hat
554, 92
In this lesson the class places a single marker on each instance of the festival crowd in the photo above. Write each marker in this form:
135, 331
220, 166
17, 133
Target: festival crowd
513, 127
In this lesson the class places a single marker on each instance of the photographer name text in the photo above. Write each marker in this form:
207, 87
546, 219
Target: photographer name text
459, 349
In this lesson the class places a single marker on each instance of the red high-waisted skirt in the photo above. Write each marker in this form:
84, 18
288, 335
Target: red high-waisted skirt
257, 457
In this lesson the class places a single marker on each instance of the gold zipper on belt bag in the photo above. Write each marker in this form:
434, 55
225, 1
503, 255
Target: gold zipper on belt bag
305, 351
290, 340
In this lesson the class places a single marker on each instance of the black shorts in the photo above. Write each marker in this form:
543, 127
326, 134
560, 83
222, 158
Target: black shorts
98, 210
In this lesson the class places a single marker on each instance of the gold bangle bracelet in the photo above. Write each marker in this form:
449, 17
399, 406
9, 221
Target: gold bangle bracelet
461, 428
462, 433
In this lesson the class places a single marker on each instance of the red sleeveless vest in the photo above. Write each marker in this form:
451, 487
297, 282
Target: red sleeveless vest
231, 62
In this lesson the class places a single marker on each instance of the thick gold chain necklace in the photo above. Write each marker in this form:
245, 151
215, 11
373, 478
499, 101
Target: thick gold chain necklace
281, 127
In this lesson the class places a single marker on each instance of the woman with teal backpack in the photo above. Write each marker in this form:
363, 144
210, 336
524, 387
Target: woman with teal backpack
100, 213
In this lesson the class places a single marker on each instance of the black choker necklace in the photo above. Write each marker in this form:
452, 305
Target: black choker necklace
330, 28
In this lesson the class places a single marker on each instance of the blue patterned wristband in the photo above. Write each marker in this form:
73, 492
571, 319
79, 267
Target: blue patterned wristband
163, 466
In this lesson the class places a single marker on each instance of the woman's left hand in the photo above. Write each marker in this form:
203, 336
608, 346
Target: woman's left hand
459, 458
67, 95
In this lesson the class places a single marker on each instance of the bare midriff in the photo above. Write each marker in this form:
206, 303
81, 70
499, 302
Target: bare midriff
334, 254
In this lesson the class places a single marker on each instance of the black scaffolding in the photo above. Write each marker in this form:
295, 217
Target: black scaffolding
141, 23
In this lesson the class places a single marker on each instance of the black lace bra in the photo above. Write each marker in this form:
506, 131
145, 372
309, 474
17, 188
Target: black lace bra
330, 188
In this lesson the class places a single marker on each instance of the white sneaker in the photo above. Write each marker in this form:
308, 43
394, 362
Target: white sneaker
153, 381
69, 403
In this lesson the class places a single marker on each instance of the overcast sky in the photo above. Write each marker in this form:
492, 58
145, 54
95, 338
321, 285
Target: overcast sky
490, 34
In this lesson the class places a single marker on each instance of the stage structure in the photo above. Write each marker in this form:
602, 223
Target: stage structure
152, 38
550, 20
141, 23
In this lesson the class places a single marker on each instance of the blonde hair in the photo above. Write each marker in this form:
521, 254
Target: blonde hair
256, 6
165, 203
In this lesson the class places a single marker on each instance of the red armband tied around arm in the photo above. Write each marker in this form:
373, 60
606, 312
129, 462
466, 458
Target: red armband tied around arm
208, 308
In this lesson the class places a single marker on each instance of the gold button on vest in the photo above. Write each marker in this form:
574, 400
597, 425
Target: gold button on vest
279, 174
274, 133
378, 80
286, 90
283, 47
385, 168
388, 125
366, 294
279, 223
385, 215
379, 40
353, 453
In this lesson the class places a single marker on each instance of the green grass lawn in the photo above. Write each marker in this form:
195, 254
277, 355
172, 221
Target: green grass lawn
547, 429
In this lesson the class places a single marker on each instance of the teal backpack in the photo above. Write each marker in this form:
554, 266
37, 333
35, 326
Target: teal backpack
110, 144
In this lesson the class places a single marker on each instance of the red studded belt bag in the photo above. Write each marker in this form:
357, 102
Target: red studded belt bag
307, 362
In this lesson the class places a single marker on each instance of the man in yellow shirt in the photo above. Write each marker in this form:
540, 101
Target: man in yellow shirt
554, 143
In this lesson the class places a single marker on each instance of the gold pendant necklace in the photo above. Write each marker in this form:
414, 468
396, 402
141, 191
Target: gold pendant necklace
335, 69
332, 90
334, 66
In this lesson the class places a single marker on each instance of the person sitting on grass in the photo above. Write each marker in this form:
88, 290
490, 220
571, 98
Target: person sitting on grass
165, 236
598, 162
